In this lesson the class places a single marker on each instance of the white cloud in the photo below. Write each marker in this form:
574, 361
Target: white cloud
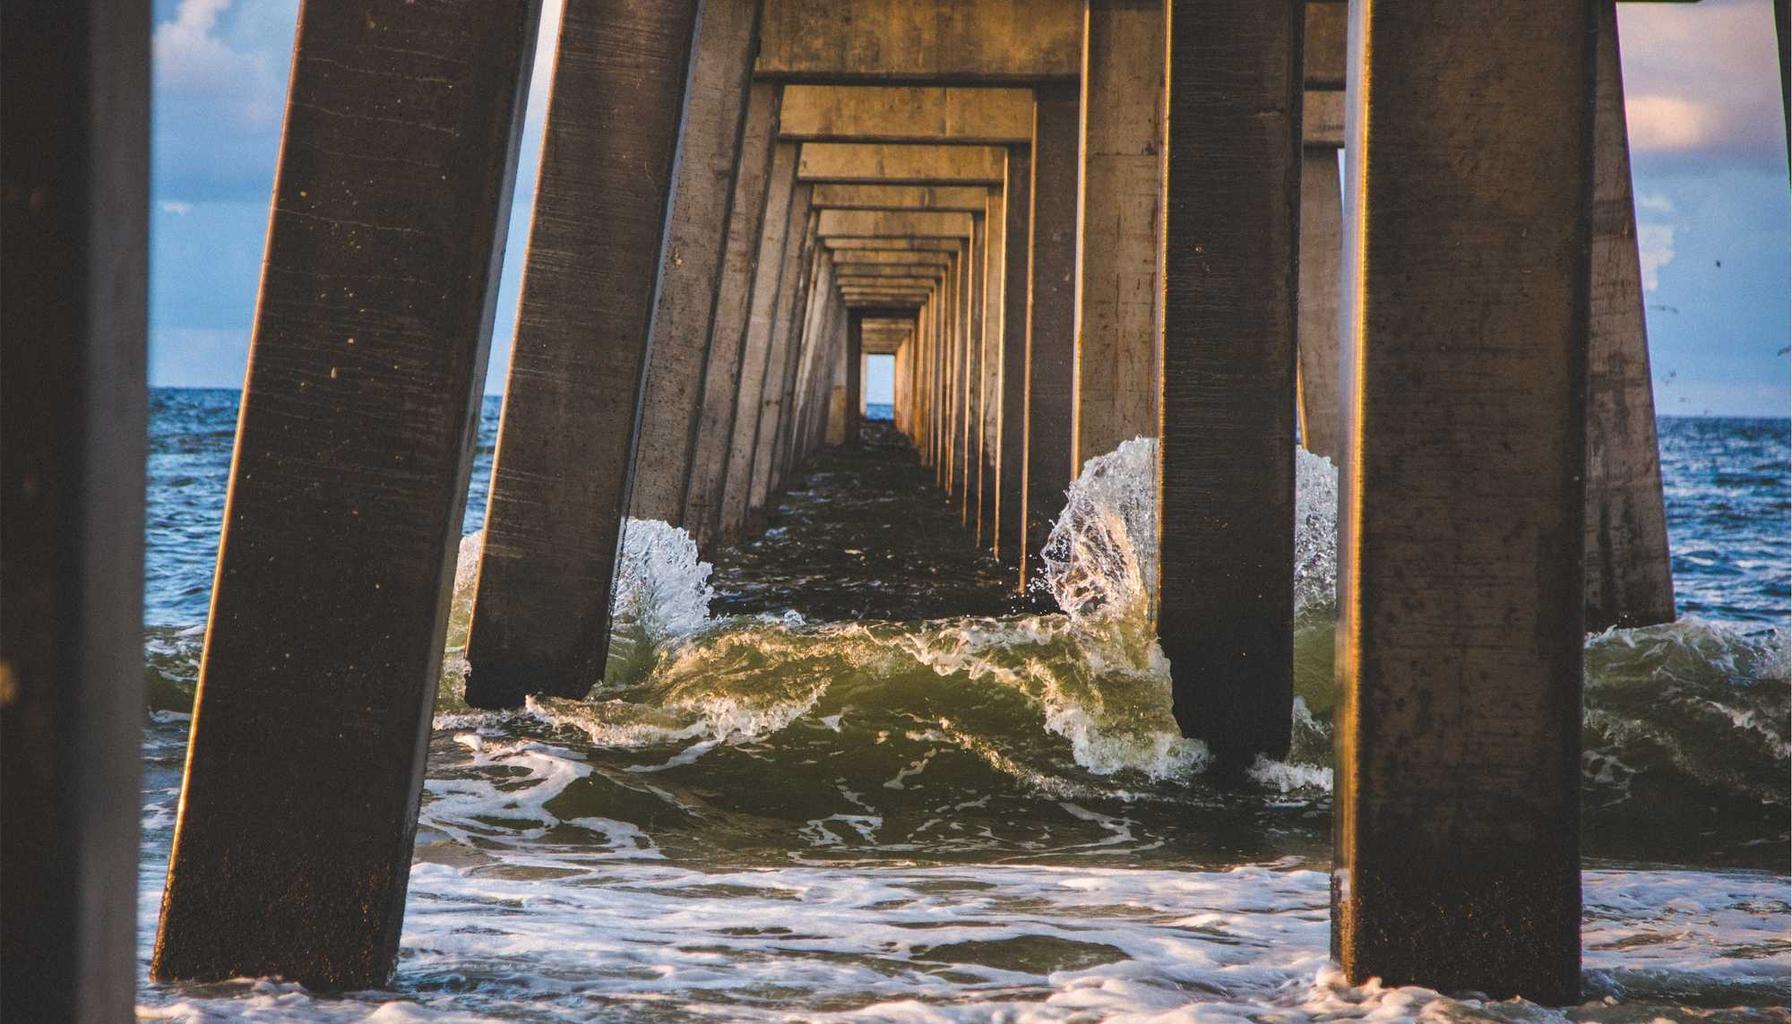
193, 58
1655, 202
177, 207
1655, 246
1702, 79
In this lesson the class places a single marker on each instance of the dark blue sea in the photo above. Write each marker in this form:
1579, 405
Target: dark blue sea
771, 813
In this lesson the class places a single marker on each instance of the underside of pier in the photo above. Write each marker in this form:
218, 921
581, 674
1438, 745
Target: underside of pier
1069, 223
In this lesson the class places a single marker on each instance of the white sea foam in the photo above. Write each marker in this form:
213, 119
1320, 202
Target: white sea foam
618, 938
662, 586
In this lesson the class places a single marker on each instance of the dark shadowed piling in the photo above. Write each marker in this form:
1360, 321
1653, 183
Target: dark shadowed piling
293, 846
560, 485
1459, 650
74, 218
1226, 470
1629, 582
1051, 316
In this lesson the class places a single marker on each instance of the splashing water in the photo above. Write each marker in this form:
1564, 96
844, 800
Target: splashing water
1100, 561
662, 594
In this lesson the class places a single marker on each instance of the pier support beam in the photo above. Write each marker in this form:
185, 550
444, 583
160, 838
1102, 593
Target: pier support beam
725, 369
1629, 581
1010, 538
1460, 585
799, 275
560, 483
995, 235
781, 225
855, 357
1119, 223
696, 232
297, 818
1226, 458
74, 240
1321, 272
1051, 316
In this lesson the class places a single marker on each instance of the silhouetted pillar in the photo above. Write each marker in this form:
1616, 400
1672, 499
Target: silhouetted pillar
1629, 582
1016, 258
855, 358
293, 846
1226, 499
1122, 163
74, 230
696, 232
1051, 316
566, 444
1321, 253
1460, 590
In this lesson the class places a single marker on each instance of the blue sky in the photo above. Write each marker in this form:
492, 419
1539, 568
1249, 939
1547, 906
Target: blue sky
1708, 154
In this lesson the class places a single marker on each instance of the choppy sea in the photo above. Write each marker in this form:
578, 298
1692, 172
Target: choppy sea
839, 773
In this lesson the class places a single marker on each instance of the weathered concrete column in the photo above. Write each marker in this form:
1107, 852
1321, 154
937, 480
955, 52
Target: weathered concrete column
801, 358
1629, 582
855, 375
1051, 316
724, 371
1119, 225
1460, 585
1011, 458
566, 444
972, 383
778, 235
780, 357
1321, 271
1226, 453
74, 241
696, 232
990, 427
293, 845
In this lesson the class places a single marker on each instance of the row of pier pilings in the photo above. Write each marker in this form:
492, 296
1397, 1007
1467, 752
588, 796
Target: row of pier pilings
1070, 222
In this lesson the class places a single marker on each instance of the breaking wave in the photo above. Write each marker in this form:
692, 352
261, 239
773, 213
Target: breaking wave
1027, 734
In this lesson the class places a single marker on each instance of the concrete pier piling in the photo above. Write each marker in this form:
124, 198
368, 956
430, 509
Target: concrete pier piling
1629, 581
1119, 221
855, 363
1460, 584
1051, 317
782, 224
1226, 455
347, 486
696, 233
1321, 274
990, 398
1010, 538
725, 369
74, 243
566, 443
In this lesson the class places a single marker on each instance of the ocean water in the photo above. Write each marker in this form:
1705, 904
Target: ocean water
839, 773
